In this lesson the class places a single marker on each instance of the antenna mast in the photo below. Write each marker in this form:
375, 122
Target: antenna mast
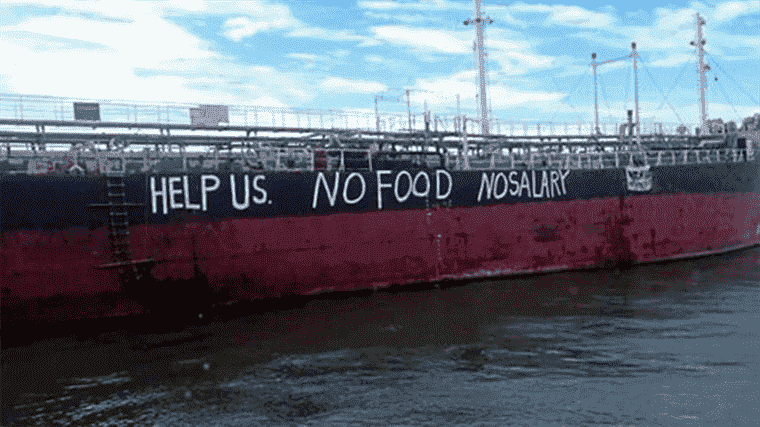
701, 68
596, 104
634, 55
480, 22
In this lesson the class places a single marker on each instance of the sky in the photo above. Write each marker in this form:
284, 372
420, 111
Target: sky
344, 54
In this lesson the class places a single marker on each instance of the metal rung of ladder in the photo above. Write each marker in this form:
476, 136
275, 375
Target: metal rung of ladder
116, 195
118, 213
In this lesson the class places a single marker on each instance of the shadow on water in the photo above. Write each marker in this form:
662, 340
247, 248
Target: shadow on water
288, 364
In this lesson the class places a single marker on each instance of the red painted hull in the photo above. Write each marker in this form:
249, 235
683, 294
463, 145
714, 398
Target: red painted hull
53, 276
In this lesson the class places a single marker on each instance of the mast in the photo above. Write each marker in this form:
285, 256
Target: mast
701, 68
409, 110
480, 22
481, 70
596, 105
634, 54
377, 116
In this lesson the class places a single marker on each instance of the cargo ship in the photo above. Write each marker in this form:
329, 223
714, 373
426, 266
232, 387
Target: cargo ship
103, 217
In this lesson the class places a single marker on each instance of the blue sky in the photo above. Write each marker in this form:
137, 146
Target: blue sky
340, 54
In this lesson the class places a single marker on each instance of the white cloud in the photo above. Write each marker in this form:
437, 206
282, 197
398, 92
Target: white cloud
499, 40
123, 9
382, 62
669, 36
425, 39
417, 5
573, 15
449, 86
639, 14
128, 42
71, 55
246, 82
502, 14
322, 34
47, 43
732, 9
732, 40
673, 60
400, 18
144, 56
504, 97
133, 50
671, 22
241, 27
305, 56
647, 39
441, 93
566, 15
518, 62
268, 101
370, 42
253, 17
498, 12
536, 8
612, 66
341, 85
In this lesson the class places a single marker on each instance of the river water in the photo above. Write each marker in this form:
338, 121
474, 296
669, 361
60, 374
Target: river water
672, 344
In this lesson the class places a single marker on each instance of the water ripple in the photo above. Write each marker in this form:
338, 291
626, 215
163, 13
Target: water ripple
672, 344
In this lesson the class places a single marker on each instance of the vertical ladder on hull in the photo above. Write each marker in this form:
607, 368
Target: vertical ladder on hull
129, 272
118, 216
117, 223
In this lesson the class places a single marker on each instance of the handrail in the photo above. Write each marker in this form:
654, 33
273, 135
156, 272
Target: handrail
281, 159
38, 107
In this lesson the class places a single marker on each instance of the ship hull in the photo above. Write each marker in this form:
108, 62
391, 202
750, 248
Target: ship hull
322, 238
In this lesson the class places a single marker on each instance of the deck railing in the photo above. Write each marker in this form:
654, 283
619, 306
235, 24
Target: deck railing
331, 159
603, 160
36, 107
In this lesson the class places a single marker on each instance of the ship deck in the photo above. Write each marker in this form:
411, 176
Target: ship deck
46, 146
